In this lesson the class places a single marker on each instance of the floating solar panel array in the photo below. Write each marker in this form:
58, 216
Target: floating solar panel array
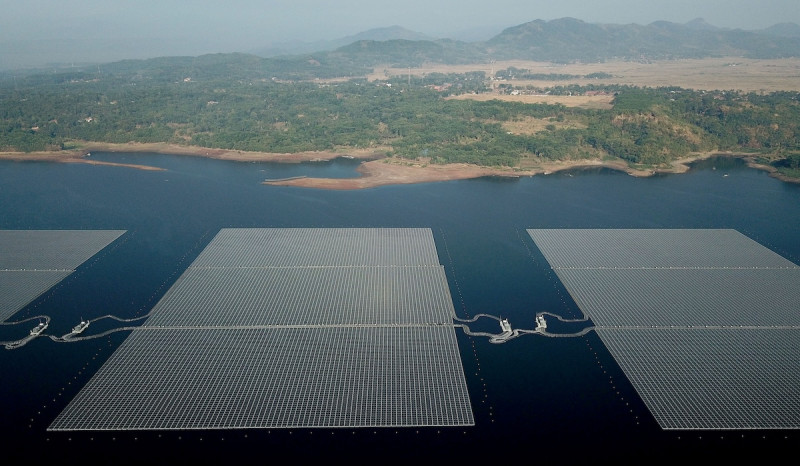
283, 328
704, 323
32, 261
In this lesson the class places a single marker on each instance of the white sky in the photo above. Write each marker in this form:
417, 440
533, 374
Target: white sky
193, 27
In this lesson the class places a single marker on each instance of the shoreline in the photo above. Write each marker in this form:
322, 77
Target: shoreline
390, 171
82, 154
376, 168
234, 155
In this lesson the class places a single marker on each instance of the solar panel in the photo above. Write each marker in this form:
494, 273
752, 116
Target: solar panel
601, 248
306, 295
704, 323
51, 249
32, 261
687, 297
340, 247
19, 287
713, 379
290, 328
276, 378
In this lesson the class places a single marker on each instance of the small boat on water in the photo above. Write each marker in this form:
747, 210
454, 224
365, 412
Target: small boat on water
80, 327
36, 331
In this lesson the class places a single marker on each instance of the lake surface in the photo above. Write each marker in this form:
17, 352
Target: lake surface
562, 399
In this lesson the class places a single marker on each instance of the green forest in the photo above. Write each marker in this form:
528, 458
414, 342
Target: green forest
239, 104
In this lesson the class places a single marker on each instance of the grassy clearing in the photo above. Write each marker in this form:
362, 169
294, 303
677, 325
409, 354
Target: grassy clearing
600, 102
529, 125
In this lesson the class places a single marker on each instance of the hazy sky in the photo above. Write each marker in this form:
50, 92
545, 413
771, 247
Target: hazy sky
105, 30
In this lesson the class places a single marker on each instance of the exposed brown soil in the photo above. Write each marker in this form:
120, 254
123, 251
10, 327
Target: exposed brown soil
397, 171
599, 102
68, 157
235, 155
83, 155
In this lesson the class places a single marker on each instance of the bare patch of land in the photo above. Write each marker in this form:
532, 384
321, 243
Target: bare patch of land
530, 125
236, 155
600, 102
392, 171
83, 155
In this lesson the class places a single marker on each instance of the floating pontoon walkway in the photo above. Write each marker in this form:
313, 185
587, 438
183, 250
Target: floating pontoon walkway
290, 328
704, 323
32, 261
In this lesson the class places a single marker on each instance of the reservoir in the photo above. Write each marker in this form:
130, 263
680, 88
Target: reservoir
559, 399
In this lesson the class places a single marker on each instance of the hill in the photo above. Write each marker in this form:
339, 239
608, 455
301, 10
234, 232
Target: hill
569, 39
376, 34
782, 30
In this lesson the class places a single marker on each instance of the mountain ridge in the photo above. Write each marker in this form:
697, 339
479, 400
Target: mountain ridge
563, 40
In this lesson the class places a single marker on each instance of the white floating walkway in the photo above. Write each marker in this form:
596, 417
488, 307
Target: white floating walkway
704, 323
290, 328
32, 261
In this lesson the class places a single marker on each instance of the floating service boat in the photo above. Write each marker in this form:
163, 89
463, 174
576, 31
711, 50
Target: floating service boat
541, 324
505, 326
36, 331
80, 327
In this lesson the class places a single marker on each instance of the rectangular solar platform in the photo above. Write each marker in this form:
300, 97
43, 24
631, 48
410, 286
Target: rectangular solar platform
289, 328
704, 323
33, 261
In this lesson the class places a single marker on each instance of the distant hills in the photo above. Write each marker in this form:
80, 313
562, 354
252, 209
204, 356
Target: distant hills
377, 34
559, 40
782, 30
562, 40
569, 39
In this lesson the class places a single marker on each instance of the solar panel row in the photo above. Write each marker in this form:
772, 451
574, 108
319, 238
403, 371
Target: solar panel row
305, 295
276, 378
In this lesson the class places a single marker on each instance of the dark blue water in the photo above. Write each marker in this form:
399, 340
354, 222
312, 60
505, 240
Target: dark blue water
564, 400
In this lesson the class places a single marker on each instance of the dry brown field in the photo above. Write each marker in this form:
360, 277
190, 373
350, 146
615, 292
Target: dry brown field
583, 101
728, 73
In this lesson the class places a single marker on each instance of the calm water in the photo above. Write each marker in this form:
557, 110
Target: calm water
552, 399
